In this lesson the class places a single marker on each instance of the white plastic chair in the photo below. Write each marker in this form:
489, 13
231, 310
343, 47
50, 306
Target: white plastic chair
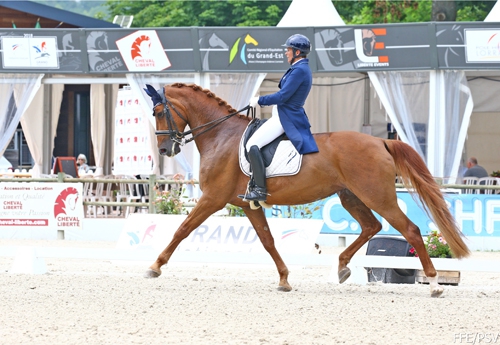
470, 180
486, 181
145, 192
88, 195
127, 192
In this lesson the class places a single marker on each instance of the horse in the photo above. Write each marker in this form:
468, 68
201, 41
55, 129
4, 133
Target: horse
360, 168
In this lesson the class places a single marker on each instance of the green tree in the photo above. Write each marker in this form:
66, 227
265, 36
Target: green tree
200, 13
376, 11
381, 11
472, 11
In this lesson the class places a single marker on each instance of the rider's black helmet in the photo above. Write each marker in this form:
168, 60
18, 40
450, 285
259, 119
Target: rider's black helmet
299, 42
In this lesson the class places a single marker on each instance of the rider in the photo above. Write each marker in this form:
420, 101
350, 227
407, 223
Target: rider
289, 117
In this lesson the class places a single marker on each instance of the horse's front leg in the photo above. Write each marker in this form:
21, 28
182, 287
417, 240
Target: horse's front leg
259, 223
203, 209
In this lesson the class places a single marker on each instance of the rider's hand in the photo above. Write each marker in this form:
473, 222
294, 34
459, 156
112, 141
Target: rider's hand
254, 101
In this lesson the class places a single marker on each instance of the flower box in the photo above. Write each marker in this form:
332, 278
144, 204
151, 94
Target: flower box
445, 277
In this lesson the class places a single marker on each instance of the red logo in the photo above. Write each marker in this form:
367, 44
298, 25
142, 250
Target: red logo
141, 46
66, 202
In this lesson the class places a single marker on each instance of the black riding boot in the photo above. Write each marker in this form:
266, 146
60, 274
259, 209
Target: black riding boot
259, 191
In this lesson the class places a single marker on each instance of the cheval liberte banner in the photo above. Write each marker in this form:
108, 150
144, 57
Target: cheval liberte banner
218, 234
132, 155
41, 206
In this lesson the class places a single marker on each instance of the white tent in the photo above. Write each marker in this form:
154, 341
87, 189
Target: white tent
336, 101
300, 14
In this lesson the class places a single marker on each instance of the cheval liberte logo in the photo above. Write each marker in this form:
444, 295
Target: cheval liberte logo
366, 46
65, 208
143, 51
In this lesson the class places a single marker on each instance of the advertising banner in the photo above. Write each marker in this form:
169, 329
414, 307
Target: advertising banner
475, 214
132, 154
142, 51
218, 234
356, 48
124, 50
41, 206
30, 52
372, 48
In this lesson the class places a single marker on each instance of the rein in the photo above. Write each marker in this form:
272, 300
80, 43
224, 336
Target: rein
177, 136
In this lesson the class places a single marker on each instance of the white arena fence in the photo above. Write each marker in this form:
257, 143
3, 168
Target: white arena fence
30, 260
152, 182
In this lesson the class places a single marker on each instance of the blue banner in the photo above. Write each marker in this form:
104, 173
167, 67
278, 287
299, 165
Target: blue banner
475, 214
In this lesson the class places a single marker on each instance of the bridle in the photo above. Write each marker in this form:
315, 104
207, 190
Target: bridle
178, 136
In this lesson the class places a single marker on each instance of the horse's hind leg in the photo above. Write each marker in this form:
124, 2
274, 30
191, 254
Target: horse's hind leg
259, 222
411, 233
370, 226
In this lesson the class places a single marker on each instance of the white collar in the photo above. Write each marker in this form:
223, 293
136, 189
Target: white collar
298, 61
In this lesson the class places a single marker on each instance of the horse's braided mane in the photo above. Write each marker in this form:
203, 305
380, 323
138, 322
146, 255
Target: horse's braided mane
209, 94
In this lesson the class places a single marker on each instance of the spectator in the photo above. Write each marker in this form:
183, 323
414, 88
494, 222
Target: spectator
475, 170
81, 161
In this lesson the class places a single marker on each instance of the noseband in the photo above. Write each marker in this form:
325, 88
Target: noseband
180, 137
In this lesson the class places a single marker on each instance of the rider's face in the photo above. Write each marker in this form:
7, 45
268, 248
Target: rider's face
289, 54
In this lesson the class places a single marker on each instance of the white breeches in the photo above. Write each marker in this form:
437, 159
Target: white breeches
269, 131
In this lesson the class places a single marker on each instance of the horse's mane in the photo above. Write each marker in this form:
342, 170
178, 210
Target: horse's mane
209, 94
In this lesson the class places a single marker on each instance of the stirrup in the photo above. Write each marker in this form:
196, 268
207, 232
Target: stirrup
254, 193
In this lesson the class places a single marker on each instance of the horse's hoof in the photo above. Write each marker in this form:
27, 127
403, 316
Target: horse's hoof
344, 274
152, 274
285, 288
437, 291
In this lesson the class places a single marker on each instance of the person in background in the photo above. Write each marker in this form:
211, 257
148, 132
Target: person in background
475, 170
81, 161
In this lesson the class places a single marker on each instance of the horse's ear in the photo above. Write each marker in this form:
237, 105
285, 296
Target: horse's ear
155, 96
150, 90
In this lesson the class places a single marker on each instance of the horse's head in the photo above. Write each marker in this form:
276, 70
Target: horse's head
170, 123
179, 105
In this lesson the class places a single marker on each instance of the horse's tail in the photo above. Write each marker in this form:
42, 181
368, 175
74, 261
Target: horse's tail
415, 175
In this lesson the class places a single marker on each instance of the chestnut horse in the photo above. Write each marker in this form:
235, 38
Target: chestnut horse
360, 168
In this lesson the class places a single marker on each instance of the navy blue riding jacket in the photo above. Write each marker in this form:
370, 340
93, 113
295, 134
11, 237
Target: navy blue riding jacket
290, 99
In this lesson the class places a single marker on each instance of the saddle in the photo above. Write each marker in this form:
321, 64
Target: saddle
267, 151
280, 156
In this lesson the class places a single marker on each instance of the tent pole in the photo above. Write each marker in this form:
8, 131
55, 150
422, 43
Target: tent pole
47, 128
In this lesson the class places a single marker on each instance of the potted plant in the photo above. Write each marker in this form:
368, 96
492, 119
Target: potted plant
169, 202
495, 173
437, 247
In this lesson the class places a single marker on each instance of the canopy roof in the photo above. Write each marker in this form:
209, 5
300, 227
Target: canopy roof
48, 12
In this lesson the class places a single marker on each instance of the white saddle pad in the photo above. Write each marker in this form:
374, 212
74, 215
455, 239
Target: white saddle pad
286, 160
